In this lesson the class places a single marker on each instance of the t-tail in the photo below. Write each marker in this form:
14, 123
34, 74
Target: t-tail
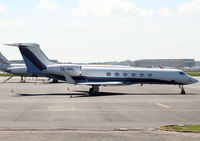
4, 63
3, 59
36, 61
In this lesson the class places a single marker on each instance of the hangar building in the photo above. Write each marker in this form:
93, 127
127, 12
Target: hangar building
172, 63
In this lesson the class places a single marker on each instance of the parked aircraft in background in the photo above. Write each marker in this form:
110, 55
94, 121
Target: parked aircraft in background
160, 66
164, 67
37, 63
15, 69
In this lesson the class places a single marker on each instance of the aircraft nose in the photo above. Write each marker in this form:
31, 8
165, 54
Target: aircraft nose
8, 71
193, 80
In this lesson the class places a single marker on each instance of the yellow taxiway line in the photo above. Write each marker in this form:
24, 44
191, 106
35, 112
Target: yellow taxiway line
162, 105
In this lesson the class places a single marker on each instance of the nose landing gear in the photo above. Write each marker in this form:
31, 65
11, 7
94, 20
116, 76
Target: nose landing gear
182, 89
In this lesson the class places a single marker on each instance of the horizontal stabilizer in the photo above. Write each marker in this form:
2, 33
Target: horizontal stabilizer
23, 44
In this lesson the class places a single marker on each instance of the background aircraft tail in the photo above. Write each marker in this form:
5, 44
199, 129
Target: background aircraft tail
4, 63
160, 66
35, 60
3, 59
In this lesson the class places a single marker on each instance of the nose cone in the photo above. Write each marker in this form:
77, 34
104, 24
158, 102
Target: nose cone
8, 71
193, 80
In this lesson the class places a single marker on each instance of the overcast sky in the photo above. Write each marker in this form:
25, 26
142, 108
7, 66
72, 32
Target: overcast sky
102, 30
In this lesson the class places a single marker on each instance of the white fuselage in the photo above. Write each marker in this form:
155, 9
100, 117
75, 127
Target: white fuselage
16, 69
127, 75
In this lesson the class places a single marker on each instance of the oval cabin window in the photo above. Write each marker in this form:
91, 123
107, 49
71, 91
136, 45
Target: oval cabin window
141, 75
116, 74
108, 74
133, 74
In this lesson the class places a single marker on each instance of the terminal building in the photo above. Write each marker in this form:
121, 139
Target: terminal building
172, 63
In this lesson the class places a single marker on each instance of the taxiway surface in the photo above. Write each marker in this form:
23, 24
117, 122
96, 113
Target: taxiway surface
49, 107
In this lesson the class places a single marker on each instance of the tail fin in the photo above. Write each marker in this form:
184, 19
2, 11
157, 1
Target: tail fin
3, 60
160, 66
35, 60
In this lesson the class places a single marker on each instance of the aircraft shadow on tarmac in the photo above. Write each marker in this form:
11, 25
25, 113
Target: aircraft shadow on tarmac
86, 94
115, 93
52, 94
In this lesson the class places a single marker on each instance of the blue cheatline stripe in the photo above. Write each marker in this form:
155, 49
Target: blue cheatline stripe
3, 62
29, 55
80, 79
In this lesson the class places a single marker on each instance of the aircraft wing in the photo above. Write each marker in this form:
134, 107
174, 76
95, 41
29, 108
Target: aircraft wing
68, 78
101, 83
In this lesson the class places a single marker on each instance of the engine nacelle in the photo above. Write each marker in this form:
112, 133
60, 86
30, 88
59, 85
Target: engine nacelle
17, 70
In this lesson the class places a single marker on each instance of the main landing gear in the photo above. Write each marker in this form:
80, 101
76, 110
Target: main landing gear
22, 80
94, 90
182, 89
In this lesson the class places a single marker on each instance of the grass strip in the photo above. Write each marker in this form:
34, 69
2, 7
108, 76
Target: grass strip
193, 73
182, 128
5, 74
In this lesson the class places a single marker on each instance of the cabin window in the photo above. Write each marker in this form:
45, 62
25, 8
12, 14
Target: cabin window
125, 74
108, 74
150, 75
133, 74
181, 73
141, 75
116, 74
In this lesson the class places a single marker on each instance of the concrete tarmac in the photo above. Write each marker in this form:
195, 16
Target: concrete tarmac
47, 111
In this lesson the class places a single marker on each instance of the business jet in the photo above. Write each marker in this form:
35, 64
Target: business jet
37, 63
13, 68
17, 69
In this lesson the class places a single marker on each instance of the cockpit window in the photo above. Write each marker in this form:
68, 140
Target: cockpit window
181, 73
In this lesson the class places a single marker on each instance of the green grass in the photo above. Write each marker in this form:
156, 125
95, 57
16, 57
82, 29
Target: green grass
193, 73
5, 74
182, 128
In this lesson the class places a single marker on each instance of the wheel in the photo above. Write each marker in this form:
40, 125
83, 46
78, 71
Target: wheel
91, 92
182, 91
55, 81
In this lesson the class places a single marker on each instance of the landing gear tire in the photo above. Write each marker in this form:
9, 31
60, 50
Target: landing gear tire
55, 81
22, 80
91, 92
94, 91
182, 91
